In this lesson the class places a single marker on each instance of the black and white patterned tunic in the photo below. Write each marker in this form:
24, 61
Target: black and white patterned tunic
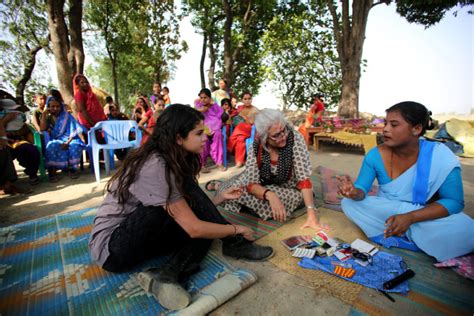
287, 192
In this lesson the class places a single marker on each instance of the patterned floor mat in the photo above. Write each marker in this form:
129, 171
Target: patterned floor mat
45, 268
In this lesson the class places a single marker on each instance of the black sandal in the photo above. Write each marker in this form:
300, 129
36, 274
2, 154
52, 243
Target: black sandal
211, 185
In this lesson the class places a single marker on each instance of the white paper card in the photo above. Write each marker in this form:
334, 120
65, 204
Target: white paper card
364, 247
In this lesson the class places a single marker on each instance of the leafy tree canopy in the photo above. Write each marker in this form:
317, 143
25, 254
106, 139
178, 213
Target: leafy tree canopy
25, 29
301, 54
428, 13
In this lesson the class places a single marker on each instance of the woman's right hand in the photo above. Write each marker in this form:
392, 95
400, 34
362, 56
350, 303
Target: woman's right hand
278, 209
245, 231
346, 187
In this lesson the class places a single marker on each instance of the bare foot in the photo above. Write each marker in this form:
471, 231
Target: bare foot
222, 168
239, 164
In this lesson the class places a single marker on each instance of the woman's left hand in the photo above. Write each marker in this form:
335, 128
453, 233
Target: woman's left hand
397, 225
231, 193
64, 146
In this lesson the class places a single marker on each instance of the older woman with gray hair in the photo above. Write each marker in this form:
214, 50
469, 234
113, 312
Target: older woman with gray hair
277, 172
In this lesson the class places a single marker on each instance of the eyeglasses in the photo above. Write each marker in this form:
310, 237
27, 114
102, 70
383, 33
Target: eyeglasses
363, 256
279, 135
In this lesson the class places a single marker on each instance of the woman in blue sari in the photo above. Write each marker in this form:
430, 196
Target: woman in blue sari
64, 149
420, 200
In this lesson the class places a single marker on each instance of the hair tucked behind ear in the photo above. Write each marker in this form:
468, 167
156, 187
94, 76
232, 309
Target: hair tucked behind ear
175, 120
414, 113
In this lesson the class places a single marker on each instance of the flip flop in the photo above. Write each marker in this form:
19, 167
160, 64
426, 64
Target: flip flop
211, 185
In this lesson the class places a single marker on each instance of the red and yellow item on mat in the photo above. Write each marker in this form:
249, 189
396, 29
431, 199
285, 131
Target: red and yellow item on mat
344, 272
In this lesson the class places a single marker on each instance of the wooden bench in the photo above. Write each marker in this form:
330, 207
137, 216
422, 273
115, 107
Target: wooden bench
320, 138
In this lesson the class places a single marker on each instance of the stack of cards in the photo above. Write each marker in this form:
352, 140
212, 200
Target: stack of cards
295, 241
303, 252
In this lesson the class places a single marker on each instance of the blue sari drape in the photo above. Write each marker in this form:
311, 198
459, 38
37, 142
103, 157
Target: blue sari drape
64, 128
444, 238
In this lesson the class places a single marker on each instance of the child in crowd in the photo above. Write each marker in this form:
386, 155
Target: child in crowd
40, 102
108, 103
228, 114
166, 96
115, 114
159, 106
156, 92
145, 112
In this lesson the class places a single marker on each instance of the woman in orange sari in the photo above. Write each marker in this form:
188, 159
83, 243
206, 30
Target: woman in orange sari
314, 115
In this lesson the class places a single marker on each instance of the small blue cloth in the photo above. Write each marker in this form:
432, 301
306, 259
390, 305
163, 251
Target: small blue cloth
395, 241
384, 267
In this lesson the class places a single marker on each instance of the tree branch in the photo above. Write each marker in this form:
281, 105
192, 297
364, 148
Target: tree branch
336, 28
387, 2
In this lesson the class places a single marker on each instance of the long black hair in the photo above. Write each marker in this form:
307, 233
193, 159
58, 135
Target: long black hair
176, 120
414, 113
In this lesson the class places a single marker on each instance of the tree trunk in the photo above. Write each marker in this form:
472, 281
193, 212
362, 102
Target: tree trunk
228, 61
112, 56
158, 74
113, 61
203, 59
59, 39
350, 42
284, 106
76, 50
29, 66
348, 105
212, 60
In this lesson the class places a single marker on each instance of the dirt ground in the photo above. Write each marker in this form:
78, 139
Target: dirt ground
276, 292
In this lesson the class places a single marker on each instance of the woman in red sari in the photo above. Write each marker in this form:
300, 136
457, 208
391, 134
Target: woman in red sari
89, 110
243, 129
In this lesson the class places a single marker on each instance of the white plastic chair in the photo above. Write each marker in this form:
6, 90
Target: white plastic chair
116, 134
249, 141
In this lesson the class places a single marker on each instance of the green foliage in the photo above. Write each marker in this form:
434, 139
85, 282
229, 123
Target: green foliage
25, 26
142, 37
428, 13
301, 55
248, 27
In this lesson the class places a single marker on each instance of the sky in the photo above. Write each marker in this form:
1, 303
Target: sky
404, 62
433, 66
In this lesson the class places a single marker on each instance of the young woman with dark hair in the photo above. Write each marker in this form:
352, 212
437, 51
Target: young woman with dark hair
154, 206
420, 200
